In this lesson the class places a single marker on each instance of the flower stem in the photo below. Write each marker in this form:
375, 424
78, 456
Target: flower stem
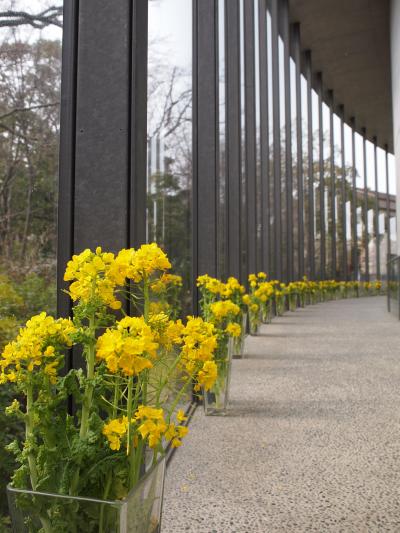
31, 458
132, 452
29, 436
88, 394
146, 297
176, 401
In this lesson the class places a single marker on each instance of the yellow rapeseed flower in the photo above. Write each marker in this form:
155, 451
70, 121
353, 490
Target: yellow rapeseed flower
207, 376
141, 264
233, 329
91, 274
115, 430
223, 309
36, 347
152, 425
128, 347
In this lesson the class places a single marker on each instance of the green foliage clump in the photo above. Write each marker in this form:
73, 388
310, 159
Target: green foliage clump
20, 297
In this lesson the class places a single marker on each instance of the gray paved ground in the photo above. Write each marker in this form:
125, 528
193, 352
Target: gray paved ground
312, 440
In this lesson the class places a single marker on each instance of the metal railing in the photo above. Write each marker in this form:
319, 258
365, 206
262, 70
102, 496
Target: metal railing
393, 285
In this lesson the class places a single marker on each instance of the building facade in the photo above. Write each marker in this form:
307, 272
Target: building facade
241, 135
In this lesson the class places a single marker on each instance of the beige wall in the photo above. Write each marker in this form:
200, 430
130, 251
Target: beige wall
395, 60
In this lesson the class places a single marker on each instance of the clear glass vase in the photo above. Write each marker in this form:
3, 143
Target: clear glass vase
139, 512
238, 342
216, 399
293, 302
266, 312
254, 322
280, 305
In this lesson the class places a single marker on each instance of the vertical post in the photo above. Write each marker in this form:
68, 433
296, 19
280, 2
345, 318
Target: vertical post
343, 191
389, 244
233, 134
264, 135
277, 142
205, 140
103, 114
322, 269
354, 236
288, 139
333, 186
376, 213
398, 284
366, 232
310, 191
138, 132
299, 139
250, 135
65, 226
388, 251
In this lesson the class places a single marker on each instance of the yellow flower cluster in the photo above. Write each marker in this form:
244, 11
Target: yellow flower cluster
233, 329
199, 340
161, 285
223, 309
246, 299
36, 346
175, 434
233, 285
140, 264
264, 291
96, 275
127, 347
115, 430
207, 376
152, 426
199, 344
93, 277
212, 285
167, 333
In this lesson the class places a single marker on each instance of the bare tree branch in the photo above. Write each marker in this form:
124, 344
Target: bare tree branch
50, 16
24, 109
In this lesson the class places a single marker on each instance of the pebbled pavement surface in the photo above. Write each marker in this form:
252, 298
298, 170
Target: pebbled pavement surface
312, 439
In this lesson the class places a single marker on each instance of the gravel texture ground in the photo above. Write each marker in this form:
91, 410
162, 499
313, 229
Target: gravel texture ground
312, 439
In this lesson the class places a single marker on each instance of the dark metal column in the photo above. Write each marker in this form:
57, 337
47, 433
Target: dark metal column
295, 39
66, 191
376, 213
233, 141
365, 217
288, 139
332, 229
138, 133
354, 239
389, 244
343, 194
264, 137
277, 271
205, 139
102, 194
310, 189
322, 269
103, 109
250, 135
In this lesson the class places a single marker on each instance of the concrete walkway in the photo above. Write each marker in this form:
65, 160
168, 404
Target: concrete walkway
312, 440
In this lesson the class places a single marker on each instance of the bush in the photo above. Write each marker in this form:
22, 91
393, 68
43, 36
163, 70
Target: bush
19, 299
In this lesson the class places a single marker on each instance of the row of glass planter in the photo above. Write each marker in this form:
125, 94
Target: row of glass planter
140, 511
216, 400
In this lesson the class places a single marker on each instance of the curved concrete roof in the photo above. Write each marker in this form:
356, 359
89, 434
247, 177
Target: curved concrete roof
350, 45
